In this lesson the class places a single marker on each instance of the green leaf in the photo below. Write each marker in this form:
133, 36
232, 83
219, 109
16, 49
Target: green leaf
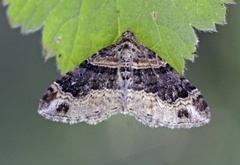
75, 29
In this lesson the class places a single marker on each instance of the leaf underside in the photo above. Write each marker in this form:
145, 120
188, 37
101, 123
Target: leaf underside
74, 30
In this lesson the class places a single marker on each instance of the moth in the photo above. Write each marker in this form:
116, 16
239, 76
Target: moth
126, 78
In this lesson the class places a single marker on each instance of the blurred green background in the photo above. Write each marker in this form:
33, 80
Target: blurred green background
27, 138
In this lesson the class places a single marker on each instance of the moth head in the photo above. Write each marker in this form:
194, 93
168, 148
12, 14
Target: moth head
127, 36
